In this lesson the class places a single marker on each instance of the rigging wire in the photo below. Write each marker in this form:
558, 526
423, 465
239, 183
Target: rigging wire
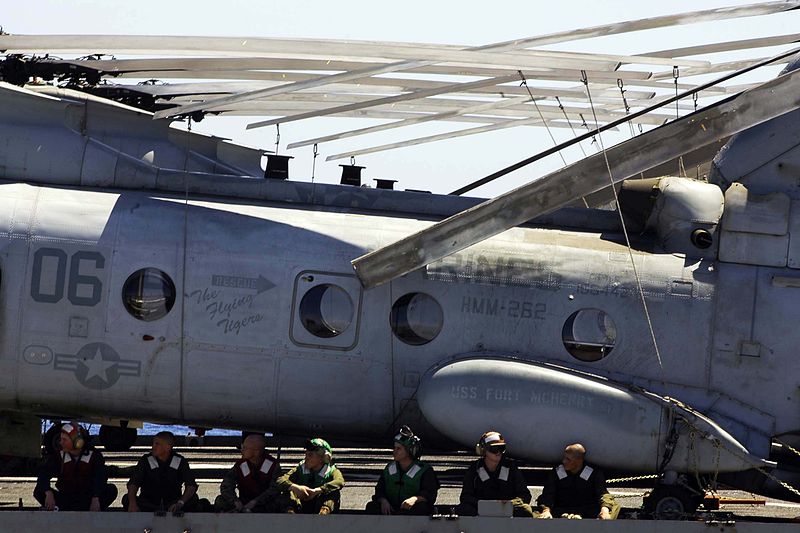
585, 81
675, 75
185, 253
621, 86
569, 123
502, 172
314, 162
541, 116
546, 125
588, 131
676, 72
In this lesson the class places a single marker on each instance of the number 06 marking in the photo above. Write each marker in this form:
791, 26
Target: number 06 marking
76, 279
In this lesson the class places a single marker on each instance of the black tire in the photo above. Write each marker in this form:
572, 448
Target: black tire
670, 502
117, 439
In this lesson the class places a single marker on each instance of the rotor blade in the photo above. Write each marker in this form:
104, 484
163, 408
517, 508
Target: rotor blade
717, 67
408, 122
235, 67
552, 118
708, 15
415, 95
744, 44
290, 87
610, 29
767, 101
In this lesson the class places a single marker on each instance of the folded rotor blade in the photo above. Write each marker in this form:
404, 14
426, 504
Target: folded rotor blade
708, 15
757, 105
623, 27
728, 46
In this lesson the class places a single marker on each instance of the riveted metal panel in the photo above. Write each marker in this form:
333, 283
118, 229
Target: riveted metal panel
753, 248
755, 213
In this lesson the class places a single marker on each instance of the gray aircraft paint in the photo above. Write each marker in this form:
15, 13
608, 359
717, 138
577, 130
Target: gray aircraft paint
229, 354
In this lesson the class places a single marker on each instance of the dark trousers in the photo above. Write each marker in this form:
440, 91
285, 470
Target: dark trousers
148, 506
80, 501
221, 505
418, 509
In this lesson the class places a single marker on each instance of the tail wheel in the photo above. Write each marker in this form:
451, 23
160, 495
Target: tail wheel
670, 502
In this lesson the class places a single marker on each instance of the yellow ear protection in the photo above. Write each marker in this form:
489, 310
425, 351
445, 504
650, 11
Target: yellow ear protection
411, 442
75, 434
490, 438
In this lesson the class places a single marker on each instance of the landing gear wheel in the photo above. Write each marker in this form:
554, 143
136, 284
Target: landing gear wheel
117, 439
669, 508
670, 502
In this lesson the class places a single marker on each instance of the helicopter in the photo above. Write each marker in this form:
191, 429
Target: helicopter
155, 274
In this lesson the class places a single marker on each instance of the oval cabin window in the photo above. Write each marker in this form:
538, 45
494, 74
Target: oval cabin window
589, 334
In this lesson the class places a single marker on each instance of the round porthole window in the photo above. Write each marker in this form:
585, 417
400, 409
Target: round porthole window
589, 334
148, 294
326, 310
416, 318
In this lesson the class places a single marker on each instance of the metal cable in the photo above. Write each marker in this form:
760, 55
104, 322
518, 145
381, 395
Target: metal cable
621, 86
541, 116
736, 453
546, 125
569, 122
675, 74
789, 446
585, 81
314, 162
615, 123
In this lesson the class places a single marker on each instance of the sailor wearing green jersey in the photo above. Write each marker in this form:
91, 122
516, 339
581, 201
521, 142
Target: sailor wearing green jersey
313, 486
407, 485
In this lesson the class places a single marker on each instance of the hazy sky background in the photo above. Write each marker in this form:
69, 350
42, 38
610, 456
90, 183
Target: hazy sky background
440, 166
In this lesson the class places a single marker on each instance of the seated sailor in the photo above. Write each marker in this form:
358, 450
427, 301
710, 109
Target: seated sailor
407, 485
82, 479
314, 486
165, 479
494, 477
252, 476
576, 490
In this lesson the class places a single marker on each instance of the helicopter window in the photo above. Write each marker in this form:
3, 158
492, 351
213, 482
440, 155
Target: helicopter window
589, 334
326, 310
148, 294
416, 318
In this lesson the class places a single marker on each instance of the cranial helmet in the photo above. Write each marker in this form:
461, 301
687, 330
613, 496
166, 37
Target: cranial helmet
411, 442
490, 439
321, 447
75, 434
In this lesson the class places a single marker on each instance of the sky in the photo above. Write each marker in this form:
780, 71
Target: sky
438, 167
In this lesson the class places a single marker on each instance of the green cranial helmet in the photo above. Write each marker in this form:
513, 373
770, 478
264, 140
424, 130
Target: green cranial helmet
321, 447
411, 442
